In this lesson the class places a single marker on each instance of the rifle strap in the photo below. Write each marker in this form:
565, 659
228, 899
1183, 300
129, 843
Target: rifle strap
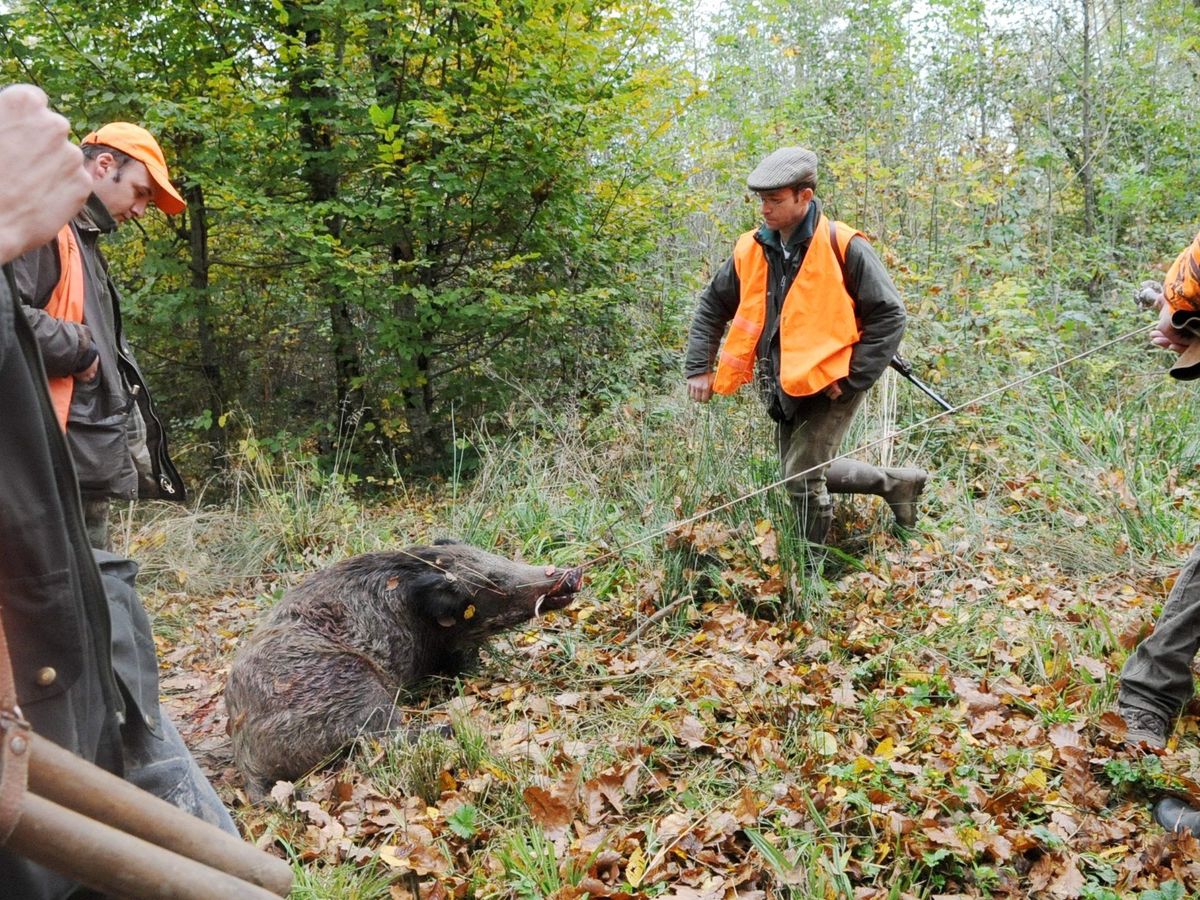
14, 747
837, 248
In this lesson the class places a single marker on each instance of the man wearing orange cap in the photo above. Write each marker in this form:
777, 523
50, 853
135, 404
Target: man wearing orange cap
79, 646
116, 439
1157, 681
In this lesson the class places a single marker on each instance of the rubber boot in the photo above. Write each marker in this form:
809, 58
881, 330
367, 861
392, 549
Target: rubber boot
815, 519
899, 488
1175, 815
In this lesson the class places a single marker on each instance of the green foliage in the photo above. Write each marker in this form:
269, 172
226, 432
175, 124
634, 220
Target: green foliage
464, 821
531, 867
415, 209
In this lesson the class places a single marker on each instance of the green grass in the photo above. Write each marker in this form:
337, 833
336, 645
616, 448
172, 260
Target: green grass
752, 715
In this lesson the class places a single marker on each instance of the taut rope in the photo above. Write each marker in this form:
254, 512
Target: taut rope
891, 435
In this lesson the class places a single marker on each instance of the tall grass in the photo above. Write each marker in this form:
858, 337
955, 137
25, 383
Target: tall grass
283, 515
1079, 479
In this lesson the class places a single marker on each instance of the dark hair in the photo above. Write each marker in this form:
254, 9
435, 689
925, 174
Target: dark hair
91, 151
801, 185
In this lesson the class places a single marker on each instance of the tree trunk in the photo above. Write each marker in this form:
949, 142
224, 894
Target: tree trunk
210, 354
1087, 150
315, 97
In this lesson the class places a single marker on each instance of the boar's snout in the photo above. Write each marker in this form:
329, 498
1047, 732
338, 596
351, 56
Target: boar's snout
562, 591
570, 583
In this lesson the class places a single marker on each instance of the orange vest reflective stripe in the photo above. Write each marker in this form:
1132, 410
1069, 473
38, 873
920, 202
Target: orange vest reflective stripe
66, 303
817, 326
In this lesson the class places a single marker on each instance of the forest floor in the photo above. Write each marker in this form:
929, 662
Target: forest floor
932, 718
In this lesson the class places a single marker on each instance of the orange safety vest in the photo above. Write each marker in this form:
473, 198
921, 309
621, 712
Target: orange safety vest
66, 303
817, 326
1181, 287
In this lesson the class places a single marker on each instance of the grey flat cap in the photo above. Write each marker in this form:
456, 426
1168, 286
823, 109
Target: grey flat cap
783, 168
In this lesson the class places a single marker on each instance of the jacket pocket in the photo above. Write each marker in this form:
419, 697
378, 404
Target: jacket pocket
101, 455
43, 625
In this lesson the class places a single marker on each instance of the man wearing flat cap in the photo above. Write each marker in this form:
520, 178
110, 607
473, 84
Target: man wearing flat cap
116, 438
813, 319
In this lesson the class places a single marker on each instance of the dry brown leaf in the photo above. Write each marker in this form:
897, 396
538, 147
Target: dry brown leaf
746, 808
547, 810
691, 731
1063, 736
977, 701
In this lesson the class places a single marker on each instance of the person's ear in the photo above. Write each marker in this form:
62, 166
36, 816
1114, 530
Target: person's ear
102, 164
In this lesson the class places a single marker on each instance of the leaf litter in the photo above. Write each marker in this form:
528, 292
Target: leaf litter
937, 731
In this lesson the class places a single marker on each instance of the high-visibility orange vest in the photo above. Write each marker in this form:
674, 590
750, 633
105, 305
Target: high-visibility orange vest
1181, 287
66, 303
817, 325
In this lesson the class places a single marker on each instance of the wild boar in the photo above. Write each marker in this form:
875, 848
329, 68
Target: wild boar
328, 660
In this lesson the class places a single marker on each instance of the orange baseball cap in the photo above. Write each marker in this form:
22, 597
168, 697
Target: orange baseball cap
141, 145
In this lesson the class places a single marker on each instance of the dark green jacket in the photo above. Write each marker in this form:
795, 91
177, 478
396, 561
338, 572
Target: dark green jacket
116, 438
78, 655
877, 306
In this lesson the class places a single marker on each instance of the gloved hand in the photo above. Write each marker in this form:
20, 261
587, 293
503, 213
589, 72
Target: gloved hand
1149, 295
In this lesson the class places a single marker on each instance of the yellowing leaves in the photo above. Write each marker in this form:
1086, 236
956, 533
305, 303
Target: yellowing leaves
1035, 780
635, 867
888, 749
824, 743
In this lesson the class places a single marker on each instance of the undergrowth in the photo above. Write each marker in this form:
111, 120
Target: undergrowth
902, 725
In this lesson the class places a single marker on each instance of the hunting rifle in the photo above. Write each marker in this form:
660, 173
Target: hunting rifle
904, 367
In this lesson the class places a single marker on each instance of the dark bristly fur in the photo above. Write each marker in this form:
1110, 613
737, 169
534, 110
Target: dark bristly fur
325, 664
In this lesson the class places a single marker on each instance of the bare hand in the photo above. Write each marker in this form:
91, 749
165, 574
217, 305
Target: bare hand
833, 391
90, 373
46, 183
700, 386
1167, 336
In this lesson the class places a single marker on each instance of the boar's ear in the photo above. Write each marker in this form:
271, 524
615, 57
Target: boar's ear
439, 597
443, 541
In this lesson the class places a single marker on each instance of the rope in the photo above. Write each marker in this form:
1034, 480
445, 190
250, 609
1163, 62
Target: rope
888, 436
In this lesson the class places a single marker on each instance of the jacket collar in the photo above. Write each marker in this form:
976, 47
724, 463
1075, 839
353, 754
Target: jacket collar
768, 237
95, 217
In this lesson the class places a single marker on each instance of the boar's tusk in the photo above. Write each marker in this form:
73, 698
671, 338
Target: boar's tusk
537, 606
446, 621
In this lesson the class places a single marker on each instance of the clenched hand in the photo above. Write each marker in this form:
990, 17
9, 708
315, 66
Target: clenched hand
45, 183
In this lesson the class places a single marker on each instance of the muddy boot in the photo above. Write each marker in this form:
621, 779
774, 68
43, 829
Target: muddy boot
1144, 727
902, 498
899, 488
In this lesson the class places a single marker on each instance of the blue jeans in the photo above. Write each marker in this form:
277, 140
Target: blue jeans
165, 768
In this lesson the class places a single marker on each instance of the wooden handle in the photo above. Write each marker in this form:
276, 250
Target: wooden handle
64, 779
